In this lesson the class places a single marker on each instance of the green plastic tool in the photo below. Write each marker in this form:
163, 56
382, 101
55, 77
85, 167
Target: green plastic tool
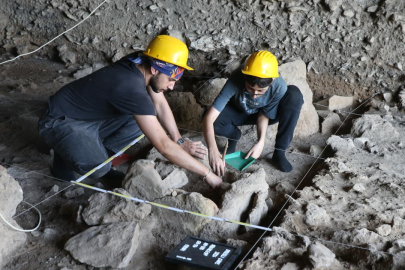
238, 161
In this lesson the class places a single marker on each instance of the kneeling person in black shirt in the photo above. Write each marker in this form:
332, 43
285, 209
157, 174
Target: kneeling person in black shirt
96, 116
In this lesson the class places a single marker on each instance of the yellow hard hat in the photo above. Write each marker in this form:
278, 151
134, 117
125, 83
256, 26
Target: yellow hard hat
262, 64
168, 49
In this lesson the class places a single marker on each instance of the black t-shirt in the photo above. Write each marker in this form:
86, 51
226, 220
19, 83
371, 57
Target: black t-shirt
110, 92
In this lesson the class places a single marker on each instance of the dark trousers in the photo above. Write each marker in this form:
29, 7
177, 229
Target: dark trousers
83, 144
288, 112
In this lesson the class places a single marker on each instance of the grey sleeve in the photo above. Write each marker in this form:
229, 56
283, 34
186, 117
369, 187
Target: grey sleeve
228, 91
279, 90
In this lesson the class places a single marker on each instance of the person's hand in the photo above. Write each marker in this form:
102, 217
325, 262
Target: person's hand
256, 151
196, 149
216, 162
213, 180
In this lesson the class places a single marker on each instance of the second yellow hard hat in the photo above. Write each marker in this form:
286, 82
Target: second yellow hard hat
168, 49
262, 64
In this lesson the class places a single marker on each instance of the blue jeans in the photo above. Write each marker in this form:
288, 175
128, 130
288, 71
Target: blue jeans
83, 144
288, 112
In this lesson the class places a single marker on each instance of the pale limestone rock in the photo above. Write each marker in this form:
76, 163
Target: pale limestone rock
82, 73
315, 150
320, 256
106, 245
236, 202
333, 4
364, 236
334, 103
316, 216
187, 223
359, 188
331, 124
384, 230
397, 246
143, 180
106, 208
375, 128
294, 73
340, 144
11, 195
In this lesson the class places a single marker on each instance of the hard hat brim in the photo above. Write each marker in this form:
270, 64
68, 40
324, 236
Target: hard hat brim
183, 66
260, 76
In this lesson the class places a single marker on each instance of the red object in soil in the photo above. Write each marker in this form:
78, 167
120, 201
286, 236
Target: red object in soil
121, 159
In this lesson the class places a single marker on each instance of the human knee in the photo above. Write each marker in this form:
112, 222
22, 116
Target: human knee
295, 96
228, 130
85, 168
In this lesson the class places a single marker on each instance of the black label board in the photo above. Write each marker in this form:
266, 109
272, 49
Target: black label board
203, 254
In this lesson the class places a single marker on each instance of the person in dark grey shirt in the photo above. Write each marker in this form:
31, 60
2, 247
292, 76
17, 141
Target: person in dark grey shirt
94, 117
254, 94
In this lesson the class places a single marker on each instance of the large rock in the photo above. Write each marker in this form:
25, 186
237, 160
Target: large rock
11, 195
375, 128
294, 73
316, 216
341, 144
105, 246
143, 180
334, 103
236, 204
320, 256
187, 223
331, 124
106, 208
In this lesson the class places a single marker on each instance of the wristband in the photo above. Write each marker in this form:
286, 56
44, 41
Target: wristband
180, 141
206, 175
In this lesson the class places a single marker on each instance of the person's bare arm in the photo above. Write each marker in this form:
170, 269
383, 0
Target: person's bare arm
262, 124
166, 118
215, 158
152, 129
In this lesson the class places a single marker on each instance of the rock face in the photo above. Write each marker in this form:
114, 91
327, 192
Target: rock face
187, 112
106, 208
237, 204
105, 246
294, 73
143, 180
10, 196
187, 223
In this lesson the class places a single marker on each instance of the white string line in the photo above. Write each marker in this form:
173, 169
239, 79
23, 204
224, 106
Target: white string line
42, 201
31, 171
223, 137
22, 230
91, 13
341, 111
289, 198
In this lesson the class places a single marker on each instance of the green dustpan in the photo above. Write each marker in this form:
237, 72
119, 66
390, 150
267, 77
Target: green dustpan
238, 161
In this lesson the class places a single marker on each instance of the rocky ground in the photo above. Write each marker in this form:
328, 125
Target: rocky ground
352, 195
